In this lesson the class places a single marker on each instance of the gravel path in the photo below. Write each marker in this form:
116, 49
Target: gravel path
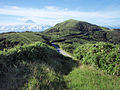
61, 51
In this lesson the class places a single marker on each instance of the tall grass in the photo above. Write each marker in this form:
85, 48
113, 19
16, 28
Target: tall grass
87, 78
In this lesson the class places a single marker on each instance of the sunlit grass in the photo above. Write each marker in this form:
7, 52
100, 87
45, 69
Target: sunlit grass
87, 78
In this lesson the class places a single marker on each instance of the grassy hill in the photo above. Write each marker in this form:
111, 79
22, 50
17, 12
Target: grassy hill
38, 66
71, 29
85, 41
33, 67
91, 45
73, 26
71, 33
11, 39
78, 31
114, 36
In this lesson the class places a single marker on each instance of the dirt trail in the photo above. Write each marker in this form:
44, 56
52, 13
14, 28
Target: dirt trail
61, 51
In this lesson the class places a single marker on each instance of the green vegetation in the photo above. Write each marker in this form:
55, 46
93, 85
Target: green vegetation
11, 39
68, 47
102, 55
91, 45
28, 62
34, 66
74, 26
87, 78
76, 29
114, 36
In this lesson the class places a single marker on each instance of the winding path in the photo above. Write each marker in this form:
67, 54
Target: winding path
60, 50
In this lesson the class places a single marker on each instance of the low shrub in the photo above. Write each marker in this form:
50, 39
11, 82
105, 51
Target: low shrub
103, 55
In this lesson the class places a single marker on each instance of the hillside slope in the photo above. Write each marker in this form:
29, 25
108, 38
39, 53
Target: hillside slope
33, 67
76, 29
114, 36
11, 39
73, 25
73, 30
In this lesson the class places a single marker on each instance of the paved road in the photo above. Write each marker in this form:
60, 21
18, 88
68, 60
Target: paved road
60, 50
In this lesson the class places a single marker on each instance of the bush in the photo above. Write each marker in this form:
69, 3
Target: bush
103, 55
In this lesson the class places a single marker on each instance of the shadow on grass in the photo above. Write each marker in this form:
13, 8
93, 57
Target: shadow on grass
34, 67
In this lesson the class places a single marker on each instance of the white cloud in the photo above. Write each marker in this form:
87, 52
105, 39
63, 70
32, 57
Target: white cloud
53, 8
53, 15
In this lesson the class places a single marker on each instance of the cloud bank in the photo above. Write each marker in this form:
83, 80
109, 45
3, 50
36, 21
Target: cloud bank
52, 15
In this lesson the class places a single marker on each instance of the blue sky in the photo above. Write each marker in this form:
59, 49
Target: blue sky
101, 12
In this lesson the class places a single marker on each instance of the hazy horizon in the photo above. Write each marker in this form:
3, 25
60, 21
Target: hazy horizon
103, 12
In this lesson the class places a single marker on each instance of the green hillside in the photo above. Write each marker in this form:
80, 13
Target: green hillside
73, 26
76, 29
93, 46
71, 33
11, 39
79, 31
114, 36
33, 67
28, 61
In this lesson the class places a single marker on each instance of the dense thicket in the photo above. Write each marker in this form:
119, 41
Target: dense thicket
102, 55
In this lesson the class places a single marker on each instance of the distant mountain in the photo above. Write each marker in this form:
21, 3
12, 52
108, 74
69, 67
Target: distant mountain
30, 21
114, 27
23, 27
